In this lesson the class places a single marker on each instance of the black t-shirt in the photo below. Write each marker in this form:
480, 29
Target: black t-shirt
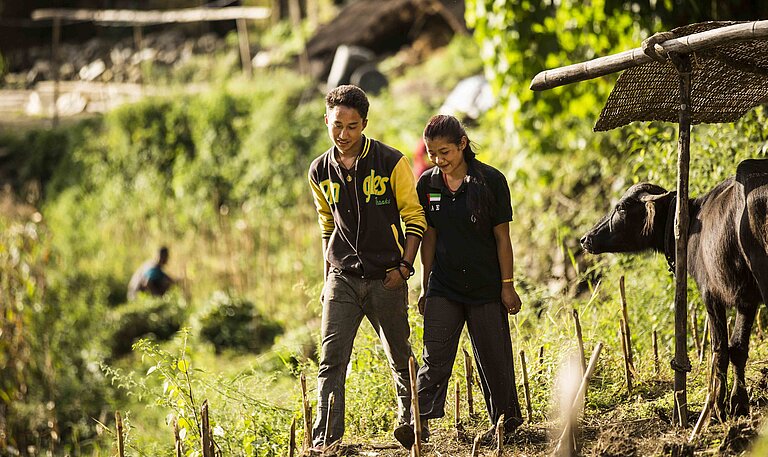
466, 264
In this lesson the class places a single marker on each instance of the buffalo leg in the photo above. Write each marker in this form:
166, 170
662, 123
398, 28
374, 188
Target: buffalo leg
738, 349
718, 329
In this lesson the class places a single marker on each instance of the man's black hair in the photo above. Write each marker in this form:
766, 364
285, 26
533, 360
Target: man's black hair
349, 96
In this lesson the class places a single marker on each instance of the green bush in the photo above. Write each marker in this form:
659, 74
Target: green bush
156, 317
234, 323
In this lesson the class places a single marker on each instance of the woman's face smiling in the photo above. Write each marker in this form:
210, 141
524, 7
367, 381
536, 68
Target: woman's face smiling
447, 156
345, 127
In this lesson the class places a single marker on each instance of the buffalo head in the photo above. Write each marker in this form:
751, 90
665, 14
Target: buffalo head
637, 223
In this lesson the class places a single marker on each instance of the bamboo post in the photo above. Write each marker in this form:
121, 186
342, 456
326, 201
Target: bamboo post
541, 356
119, 427
468, 374
682, 406
415, 408
526, 388
579, 340
655, 354
625, 352
245, 47
457, 410
55, 67
307, 442
329, 417
178, 451
760, 332
627, 333
681, 365
703, 417
205, 432
704, 333
476, 445
292, 438
500, 436
568, 429
695, 329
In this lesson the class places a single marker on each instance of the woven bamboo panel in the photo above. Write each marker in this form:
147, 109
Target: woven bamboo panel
726, 82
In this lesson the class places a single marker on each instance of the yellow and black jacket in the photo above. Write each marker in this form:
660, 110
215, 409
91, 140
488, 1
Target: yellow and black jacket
360, 210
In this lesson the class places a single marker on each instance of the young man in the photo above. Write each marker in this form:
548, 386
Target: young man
362, 189
150, 277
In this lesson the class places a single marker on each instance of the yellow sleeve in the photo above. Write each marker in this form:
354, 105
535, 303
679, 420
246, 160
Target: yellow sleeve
404, 188
324, 214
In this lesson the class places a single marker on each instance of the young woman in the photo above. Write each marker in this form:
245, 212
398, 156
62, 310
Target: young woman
467, 277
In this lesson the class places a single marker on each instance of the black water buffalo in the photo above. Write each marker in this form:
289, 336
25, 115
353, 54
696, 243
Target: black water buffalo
727, 256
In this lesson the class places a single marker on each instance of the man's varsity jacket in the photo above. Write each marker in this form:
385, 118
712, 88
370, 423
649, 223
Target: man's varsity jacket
372, 244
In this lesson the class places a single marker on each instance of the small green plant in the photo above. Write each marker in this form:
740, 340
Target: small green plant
234, 323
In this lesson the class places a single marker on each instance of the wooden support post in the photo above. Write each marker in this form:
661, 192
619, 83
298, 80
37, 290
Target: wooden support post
119, 427
627, 333
245, 47
526, 388
579, 340
655, 354
476, 445
625, 352
205, 431
695, 329
468, 375
681, 365
415, 408
177, 448
759, 320
567, 436
541, 356
138, 37
682, 406
703, 346
307, 442
457, 410
292, 438
329, 418
500, 436
55, 67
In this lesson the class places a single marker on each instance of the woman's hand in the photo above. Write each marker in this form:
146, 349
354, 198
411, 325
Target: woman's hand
510, 298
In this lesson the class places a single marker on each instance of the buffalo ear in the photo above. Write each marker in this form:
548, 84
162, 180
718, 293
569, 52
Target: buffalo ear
650, 210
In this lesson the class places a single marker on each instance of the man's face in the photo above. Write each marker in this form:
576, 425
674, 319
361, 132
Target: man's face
345, 127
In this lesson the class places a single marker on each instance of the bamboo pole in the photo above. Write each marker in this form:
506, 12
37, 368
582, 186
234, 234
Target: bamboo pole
177, 448
119, 427
682, 407
476, 445
634, 57
205, 430
292, 438
568, 429
245, 47
468, 375
579, 340
528, 406
329, 418
655, 354
55, 67
625, 352
760, 332
695, 329
627, 333
500, 436
307, 442
705, 332
415, 408
457, 409
152, 16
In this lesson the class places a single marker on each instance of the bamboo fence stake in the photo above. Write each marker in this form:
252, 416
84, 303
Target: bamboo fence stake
457, 411
682, 407
292, 438
307, 443
528, 406
329, 417
579, 340
625, 352
468, 373
703, 347
568, 429
500, 436
703, 417
244, 47
541, 356
695, 329
119, 426
205, 432
760, 332
655, 353
415, 408
627, 333
730, 322
476, 445
178, 451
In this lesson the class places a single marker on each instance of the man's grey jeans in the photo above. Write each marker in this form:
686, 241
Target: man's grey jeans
346, 299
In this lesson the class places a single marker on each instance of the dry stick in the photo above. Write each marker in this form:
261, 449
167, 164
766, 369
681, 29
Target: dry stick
500, 436
178, 451
681, 407
476, 445
415, 409
329, 417
704, 334
625, 352
627, 333
528, 406
655, 353
541, 356
457, 411
205, 430
568, 429
705, 413
119, 426
307, 443
760, 332
468, 373
695, 329
579, 340
292, 438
